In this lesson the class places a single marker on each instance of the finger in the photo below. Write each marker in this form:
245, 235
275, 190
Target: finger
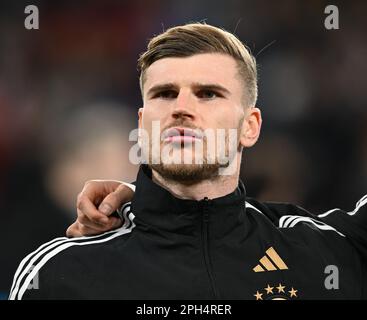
97, 189
78, 229
87, 208
86, 231
73, 231
114, 200
84, 220
112, 222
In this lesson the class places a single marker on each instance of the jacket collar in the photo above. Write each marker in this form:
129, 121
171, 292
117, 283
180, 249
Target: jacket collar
156, 207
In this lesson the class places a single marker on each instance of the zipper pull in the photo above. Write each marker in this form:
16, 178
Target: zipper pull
206, 202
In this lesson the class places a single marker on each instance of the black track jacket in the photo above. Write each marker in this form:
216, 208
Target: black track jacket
232, 247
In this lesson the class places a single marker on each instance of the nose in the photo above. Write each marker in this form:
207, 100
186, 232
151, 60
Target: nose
184, 106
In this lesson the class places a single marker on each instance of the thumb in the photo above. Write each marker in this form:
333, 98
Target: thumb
116, 199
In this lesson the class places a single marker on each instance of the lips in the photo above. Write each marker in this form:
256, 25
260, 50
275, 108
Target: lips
181, 135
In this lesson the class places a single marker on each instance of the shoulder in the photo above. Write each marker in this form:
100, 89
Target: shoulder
277, 212
351, 224
51, 257
283, 215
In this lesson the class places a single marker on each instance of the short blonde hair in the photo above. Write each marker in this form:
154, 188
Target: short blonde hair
195, 38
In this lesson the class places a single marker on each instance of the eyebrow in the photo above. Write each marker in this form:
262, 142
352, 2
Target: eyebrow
211, 86
161, 87
196, 85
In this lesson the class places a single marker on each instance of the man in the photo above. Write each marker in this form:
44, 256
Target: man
191, 232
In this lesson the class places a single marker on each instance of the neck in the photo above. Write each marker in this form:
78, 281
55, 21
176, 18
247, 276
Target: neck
216, 187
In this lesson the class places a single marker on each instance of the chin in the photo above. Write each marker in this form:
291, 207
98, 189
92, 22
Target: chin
187, 173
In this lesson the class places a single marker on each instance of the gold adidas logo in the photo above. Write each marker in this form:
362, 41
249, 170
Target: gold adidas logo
270, 262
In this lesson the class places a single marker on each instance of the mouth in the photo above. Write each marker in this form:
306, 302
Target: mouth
181, 135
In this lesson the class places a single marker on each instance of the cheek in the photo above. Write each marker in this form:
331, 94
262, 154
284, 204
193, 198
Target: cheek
147, 118
224, 115
226, 121
154, 112
152, 121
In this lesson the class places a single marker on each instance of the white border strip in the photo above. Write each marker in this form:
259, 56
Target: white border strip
359, 205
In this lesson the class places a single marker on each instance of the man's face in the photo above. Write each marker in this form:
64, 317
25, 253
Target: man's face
203, 92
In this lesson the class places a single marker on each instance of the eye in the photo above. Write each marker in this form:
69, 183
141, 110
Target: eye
166, 94
208, 94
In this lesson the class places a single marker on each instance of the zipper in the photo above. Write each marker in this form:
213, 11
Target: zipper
205, 242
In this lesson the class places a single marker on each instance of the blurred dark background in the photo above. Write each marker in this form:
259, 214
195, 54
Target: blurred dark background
69, 96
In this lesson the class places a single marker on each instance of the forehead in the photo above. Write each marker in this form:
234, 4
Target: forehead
202, 68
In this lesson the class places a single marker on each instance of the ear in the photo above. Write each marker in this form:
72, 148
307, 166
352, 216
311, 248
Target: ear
140, 115
251, 127
140, 125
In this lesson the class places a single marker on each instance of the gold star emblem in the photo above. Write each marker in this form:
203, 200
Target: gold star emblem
258, 295
293, 292
280, 288
269, 289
